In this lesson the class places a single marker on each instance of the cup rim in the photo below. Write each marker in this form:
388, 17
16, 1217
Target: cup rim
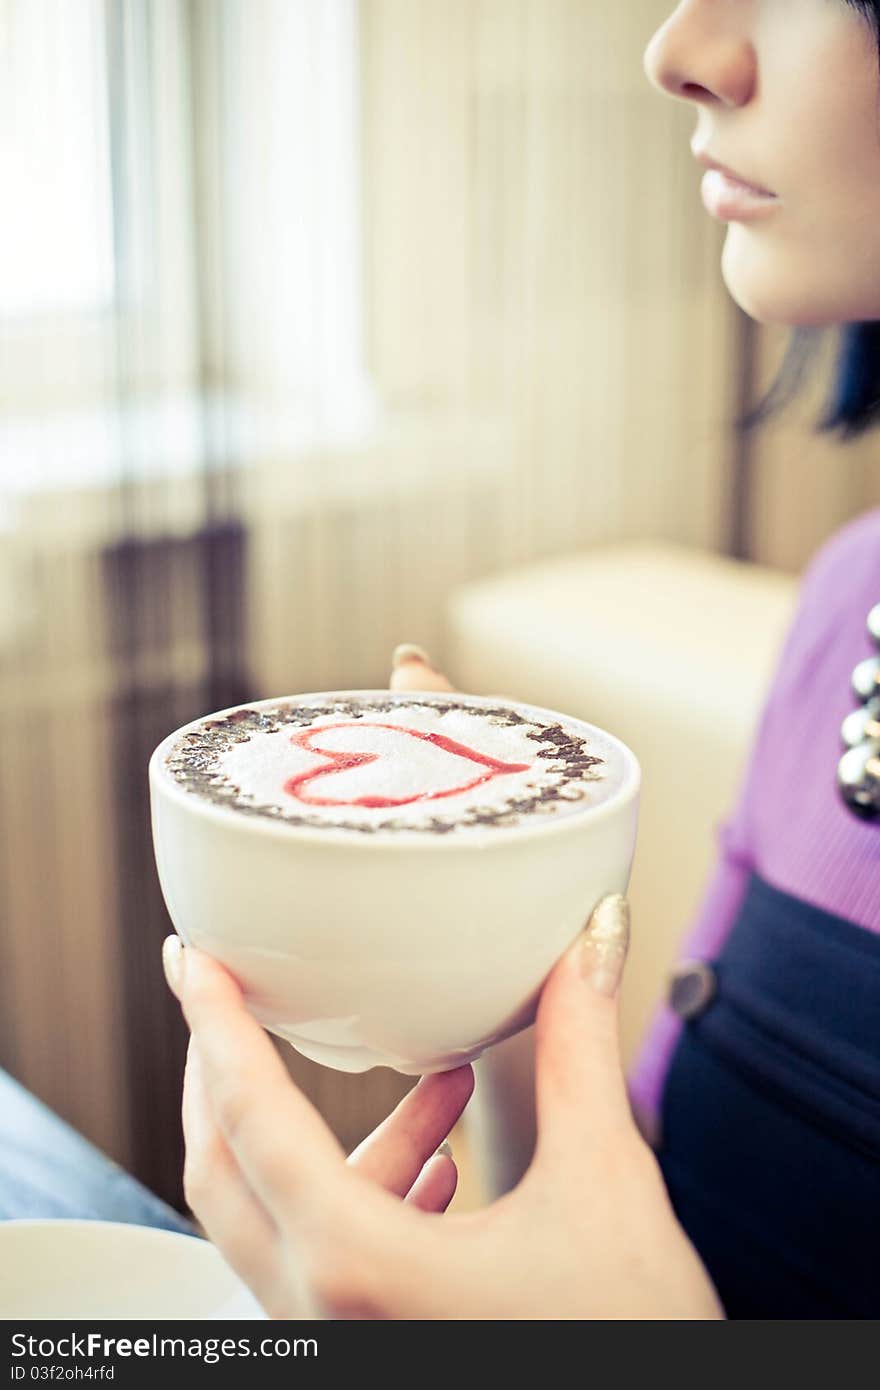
162, 781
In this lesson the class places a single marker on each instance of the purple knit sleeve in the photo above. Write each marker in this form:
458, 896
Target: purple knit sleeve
788, 823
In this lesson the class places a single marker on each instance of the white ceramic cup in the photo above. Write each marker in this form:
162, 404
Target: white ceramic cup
412, 952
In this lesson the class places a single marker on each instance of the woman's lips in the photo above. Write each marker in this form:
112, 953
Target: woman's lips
731, 201
731, 198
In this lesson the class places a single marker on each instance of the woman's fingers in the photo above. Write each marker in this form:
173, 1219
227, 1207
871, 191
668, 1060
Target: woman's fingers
344, 1244
218, 1194
411, 669
435, 1187
394, 1154
279, 1140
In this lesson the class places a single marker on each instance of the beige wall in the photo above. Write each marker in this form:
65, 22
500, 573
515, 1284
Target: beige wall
537, 248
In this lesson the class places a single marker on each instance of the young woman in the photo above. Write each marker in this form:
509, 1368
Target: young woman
762, 1198
761, 1082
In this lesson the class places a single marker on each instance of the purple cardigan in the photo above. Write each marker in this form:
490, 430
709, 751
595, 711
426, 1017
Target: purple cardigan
788, 823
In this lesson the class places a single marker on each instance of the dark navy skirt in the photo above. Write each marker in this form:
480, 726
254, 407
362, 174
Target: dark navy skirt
771, 1116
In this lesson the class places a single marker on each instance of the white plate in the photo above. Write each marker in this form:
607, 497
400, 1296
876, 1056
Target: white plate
104, 1269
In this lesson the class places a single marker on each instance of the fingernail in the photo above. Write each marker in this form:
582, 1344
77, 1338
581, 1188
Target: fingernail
408, 651
445, 1149
605, 944
173, 961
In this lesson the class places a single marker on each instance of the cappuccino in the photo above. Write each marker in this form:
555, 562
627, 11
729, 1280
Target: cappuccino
390, 875
386, 763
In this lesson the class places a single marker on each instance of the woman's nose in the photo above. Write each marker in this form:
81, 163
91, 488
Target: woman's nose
700, 55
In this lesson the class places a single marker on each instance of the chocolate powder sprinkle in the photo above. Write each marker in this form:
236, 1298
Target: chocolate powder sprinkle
194, 764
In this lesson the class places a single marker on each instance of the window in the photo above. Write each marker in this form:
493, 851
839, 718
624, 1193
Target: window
180, 232
56, 237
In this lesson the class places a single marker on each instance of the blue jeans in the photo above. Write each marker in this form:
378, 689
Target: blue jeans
48, 1170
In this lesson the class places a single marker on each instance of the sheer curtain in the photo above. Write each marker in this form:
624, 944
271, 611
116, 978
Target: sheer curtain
122, 549
180, 301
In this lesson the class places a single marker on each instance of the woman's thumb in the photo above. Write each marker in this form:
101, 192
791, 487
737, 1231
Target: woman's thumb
580, 1087
411, 669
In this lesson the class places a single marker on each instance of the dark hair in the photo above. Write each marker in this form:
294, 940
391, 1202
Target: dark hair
854, 403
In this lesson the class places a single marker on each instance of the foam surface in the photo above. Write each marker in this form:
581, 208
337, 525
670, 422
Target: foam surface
397, 763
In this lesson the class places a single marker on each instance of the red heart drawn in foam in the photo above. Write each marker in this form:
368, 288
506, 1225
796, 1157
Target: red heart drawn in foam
339, 762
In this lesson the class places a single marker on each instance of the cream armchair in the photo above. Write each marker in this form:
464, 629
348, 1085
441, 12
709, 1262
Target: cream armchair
670, 648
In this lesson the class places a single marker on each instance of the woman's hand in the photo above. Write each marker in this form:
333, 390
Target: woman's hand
588, 1233
399, 1157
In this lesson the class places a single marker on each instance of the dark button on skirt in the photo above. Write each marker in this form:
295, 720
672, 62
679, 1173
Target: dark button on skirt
771, 1115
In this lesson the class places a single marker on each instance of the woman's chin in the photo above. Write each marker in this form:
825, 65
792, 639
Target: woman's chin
772, 290
770, 305
777, 315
